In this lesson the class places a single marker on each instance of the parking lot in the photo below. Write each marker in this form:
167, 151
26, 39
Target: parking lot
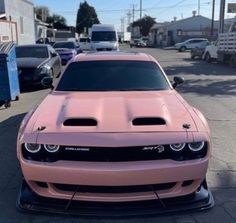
209, 87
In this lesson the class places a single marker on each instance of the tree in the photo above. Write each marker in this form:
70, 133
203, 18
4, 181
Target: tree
57, 21
145, 24
86, 17
42, 13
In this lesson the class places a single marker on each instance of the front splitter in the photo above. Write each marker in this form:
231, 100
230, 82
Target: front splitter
31, 202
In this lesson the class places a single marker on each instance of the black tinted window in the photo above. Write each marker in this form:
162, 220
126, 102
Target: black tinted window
104, 36
28, 51
84, 40
68, 45
112, 76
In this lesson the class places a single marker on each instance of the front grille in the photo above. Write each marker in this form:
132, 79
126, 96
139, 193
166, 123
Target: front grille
114, 189
113, 154
26, 74
104, 49
26, 71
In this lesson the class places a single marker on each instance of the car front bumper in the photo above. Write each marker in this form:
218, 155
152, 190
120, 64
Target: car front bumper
31, 202
115, 174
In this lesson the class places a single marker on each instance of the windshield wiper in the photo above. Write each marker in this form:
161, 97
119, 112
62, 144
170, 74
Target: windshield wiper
140, 89
103, 90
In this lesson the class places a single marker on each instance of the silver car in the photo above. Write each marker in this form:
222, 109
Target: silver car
190, 44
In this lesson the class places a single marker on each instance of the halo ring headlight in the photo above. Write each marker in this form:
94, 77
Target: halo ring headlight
177, 147
196, 146
51, 148
32, 147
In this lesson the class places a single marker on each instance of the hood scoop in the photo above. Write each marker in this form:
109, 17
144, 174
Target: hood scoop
148, 121
84, 122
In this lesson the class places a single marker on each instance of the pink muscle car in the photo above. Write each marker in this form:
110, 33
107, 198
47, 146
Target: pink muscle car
114, 136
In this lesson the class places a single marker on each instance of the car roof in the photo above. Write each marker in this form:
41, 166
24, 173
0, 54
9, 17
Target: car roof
34, 45
116, 55
103, 27
197, 39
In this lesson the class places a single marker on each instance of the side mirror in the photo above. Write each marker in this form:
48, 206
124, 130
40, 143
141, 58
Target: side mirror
178, 81
54, 54
47, 82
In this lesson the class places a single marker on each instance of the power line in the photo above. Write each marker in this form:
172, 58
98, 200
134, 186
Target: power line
144, 9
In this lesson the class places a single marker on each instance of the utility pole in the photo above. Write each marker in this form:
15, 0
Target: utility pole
141, 8
129, 14
133, 12
122, 27
222, 16
199, 7
212, 18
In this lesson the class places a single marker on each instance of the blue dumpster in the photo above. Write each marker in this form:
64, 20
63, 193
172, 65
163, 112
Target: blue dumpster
9, 83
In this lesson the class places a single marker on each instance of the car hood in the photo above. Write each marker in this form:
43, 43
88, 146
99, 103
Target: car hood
113, 112
31, 62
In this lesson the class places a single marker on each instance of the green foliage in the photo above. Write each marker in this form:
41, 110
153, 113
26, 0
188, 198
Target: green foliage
55, 20
86, 17
145, 24
42, 13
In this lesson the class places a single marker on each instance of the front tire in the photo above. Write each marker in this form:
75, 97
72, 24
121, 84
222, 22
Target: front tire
182, 49
232, 62
192, 56
208, 57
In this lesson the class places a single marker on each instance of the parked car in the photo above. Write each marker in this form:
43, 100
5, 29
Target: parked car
84, 43
36, 62
67, 50
210, 52
199, 50
137, 43
114, 132
189, 44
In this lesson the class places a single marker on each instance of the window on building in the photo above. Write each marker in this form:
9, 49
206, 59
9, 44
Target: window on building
21, 25
179, 32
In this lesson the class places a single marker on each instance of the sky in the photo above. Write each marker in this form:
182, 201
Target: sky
112, 11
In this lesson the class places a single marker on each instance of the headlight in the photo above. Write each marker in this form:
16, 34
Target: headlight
177, 147
196, 146
44, 70
32, 147
51, 148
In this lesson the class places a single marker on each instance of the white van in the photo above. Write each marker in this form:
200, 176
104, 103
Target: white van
104, 38
84, 43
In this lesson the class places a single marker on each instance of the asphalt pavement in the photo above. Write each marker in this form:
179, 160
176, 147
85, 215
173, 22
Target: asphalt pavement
209, 87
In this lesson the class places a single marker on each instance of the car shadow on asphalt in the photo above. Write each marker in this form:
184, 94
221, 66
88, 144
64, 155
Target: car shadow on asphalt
209, 87
199, 67
31, 89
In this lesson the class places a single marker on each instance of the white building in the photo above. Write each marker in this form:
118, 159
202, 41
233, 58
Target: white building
169, 33
22, 13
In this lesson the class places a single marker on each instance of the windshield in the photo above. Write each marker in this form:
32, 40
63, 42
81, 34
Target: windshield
112, 76
84, 40
38, 52
104, 36
68, 45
